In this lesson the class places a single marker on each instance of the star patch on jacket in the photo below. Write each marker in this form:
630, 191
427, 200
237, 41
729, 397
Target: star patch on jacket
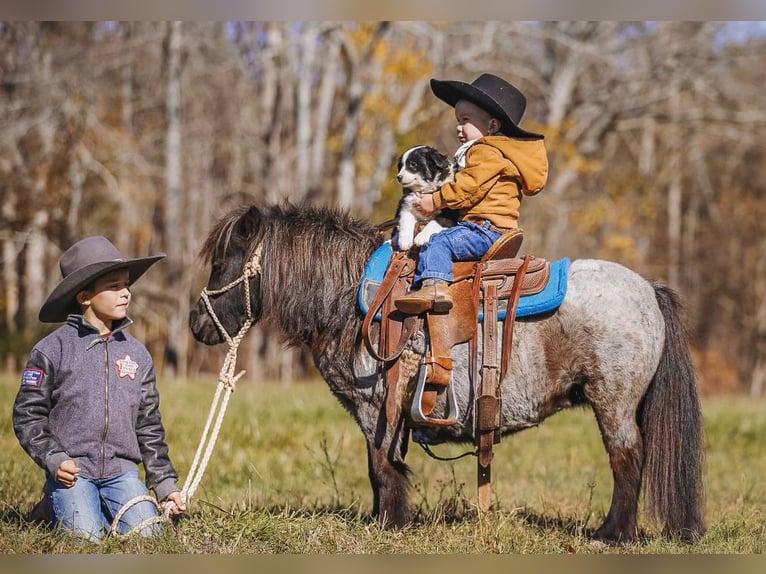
126, 367
32, 378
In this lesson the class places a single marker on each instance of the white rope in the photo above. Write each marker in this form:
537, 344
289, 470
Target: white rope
205, 449
161, 516
227, 380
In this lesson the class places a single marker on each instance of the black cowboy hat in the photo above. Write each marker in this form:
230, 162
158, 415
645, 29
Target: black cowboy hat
81, 264
492, 94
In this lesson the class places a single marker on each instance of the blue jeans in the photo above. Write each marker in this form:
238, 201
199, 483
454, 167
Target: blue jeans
466, 241
89, 507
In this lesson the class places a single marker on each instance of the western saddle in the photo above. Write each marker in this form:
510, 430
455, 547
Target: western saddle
478, 289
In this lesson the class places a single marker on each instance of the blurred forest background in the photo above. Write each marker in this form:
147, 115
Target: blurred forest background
147, 132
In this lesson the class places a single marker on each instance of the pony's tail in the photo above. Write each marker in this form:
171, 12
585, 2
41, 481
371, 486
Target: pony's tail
671, 425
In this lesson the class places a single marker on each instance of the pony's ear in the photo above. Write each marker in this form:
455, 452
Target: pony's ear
249, 222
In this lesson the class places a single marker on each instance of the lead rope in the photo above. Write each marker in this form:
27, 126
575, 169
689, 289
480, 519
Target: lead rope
227, 381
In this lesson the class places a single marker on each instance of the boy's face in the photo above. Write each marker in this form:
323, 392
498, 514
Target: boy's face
109, 298
473, 122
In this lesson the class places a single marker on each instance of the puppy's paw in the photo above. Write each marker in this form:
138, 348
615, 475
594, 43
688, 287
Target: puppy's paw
404, 244
423, 237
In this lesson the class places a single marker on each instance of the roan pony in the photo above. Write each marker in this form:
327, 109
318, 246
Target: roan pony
616, 343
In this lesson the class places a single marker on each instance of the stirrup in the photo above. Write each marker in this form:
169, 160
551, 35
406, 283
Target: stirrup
416, 410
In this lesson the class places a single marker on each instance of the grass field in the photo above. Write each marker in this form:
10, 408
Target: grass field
289, 475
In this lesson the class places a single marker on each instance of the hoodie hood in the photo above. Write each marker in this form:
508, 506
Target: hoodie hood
528, 156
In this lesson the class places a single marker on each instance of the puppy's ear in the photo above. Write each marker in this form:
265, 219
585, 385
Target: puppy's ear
441, 160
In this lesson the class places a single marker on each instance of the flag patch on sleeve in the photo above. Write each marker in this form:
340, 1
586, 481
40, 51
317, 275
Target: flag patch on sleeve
31, 378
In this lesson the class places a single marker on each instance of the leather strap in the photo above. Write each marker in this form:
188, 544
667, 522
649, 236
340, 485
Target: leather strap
473, 345
510, 316
486, 402
399, 267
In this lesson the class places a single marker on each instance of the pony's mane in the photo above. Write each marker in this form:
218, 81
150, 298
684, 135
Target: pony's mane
318, 220
218, 240
314, 257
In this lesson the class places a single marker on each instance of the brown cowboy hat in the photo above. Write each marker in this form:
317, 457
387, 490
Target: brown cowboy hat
492, 94
82, 263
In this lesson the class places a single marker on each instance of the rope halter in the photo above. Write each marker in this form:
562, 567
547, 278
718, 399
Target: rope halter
251, 269
226, 378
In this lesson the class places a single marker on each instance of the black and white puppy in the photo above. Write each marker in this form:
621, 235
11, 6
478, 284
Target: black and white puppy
421, 169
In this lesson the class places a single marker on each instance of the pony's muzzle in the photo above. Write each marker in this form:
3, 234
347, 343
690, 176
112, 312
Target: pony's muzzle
202, 326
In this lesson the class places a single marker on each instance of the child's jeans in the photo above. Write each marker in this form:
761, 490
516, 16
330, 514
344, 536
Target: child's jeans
466, 241
88, 507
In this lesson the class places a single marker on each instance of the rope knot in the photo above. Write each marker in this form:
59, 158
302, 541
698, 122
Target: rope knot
229, 380
253, 267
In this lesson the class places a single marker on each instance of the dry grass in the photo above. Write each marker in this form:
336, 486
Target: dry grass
289, 476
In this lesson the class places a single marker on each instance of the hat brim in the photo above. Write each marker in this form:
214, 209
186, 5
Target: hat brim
450, 91
61, 302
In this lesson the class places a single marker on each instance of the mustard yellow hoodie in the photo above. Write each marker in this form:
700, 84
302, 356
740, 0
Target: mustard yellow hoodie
498, 170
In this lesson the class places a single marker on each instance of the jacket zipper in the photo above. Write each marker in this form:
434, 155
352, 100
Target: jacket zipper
102, 448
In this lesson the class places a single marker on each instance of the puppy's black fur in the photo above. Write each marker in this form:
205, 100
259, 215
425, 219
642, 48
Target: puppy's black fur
421, 169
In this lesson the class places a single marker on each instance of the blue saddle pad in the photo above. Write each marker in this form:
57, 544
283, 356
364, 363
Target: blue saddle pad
546, 300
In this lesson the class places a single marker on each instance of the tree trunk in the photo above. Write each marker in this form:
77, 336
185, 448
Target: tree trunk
306, 68
34, 271
323, 111
173, 231
675, 194
355, 90
758, 380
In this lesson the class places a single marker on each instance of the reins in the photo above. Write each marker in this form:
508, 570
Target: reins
227, 381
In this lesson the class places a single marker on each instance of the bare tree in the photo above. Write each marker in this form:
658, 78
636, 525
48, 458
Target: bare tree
356, 60
149, 131
172, 215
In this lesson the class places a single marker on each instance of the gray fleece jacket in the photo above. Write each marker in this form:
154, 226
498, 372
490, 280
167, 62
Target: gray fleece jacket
93, 399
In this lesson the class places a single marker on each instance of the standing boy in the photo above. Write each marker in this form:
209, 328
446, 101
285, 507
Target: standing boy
498, 164
87, 410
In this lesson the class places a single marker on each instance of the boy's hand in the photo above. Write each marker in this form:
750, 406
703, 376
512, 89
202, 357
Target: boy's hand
176, 498
67, 473
424, 203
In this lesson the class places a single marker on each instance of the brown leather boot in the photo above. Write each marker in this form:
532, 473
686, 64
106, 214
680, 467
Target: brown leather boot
432, 296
